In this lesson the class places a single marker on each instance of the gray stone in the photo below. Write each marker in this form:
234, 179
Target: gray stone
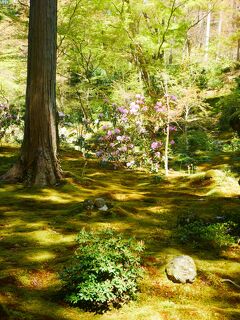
99, 202
104, 208
181, 269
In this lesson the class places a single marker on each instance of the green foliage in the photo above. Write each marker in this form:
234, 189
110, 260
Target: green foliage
104, 271
233, 146
183, 161
198, 140
194, 141
215, 235
230, 106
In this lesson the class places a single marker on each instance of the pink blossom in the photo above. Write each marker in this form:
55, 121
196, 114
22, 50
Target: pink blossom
139, 102
126, 138
117, 131
163, 109
172, 142
156, 144
173, 98
119, 138
130, 163
172, 128
109, 133
134, 108
124, 119
122, 110
124, 149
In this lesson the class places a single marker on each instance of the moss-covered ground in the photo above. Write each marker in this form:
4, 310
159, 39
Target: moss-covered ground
39, 226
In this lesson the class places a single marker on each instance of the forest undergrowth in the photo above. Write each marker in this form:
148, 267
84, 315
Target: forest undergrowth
39, 227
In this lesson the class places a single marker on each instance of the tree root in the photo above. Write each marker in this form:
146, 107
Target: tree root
14, 174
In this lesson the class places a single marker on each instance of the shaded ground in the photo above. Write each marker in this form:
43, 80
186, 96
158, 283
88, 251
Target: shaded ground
38, 228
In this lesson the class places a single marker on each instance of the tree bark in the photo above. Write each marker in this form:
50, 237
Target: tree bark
238, 50
207, 37
38, 163
220, 22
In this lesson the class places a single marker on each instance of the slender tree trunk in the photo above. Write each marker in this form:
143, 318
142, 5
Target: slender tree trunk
200, 34
167, 141
167, 129
188, 45
235, 26
207, 37
38, 164
186, 118
238, 50
170, 59
220, 22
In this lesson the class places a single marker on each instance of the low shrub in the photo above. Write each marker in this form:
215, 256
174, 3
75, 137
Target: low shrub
196, 140
104, 271
230, 106
233, 146
215, 235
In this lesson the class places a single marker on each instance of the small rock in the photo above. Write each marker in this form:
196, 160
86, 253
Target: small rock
104, 208
220, 217
99, 203
88, 204
181, 269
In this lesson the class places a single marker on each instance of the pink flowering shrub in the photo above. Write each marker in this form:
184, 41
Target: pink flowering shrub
137, 136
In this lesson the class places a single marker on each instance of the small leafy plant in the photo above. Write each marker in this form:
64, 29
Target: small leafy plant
104, 271
215, 235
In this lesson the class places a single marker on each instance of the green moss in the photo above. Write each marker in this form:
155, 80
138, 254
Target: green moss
39, 227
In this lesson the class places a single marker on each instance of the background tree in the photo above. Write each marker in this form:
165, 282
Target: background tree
38, 163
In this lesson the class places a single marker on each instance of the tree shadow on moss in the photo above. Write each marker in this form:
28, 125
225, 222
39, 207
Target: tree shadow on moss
39, 226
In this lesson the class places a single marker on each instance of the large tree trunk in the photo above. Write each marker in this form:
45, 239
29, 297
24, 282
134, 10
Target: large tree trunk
38, 164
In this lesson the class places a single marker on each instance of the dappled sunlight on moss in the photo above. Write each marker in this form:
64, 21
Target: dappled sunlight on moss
52, 195
41, 256
39, 227
38, 279
46, 237
56, 198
